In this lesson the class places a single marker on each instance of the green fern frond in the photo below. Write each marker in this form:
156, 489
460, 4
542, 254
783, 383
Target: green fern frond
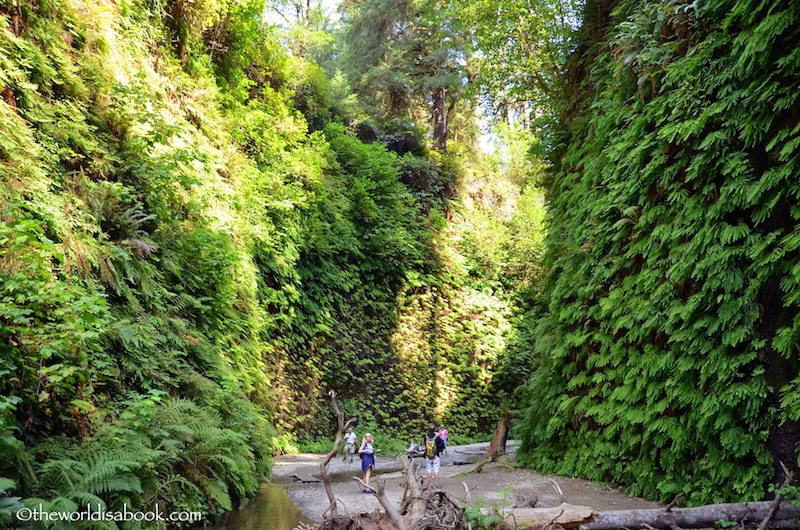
6, 485
217, 492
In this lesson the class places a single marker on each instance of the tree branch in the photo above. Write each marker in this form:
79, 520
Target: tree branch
777, 502
380, 493
323, 467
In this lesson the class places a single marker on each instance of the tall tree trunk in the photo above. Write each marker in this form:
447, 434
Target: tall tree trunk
440, 131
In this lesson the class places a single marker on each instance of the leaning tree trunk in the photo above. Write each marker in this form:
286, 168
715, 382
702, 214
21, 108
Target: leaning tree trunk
498, 444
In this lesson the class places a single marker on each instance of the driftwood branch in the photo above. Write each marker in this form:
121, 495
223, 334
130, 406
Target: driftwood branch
674, 502
323, 467
776, 503
564, 515
559, 491
416, 495
380, 493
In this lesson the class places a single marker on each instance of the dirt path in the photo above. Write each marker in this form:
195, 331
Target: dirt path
499, 483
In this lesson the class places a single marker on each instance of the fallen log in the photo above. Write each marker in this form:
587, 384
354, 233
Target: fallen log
305, 478
565, 515
745, 513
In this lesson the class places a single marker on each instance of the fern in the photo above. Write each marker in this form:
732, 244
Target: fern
6, 485
217, 493
675, 289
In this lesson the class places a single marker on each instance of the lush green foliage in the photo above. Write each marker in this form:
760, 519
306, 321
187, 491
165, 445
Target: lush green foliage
186, 268
408, 59
119, 286
523, 45
668, 340
379, 317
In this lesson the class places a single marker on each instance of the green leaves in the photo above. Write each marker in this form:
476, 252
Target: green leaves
671, 255
183, 264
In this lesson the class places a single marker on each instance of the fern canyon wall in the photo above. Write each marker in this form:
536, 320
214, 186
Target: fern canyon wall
667, 338
197, 245
213, 213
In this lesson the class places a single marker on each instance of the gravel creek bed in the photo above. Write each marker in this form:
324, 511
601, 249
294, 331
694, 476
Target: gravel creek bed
498, 484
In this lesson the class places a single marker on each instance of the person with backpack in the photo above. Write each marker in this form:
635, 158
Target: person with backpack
433, 448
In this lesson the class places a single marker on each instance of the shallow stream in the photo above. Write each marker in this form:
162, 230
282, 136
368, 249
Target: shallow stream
270, 509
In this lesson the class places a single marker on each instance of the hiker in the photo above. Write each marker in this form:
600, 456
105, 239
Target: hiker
433, 447
349, 445
444, 435
367, 454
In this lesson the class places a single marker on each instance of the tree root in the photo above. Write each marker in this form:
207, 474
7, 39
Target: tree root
420, 509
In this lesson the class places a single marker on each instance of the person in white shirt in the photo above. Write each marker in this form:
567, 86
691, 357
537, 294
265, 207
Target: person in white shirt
349, 444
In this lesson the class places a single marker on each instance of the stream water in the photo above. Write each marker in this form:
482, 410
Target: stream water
270, 509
